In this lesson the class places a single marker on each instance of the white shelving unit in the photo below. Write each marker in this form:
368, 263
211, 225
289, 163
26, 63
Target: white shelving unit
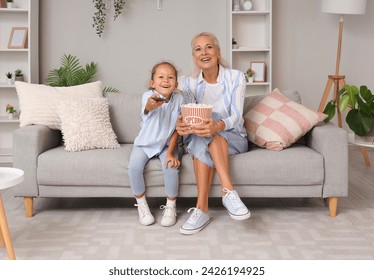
24, 14
252, 30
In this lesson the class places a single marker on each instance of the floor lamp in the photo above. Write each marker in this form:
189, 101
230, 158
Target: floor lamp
340, 7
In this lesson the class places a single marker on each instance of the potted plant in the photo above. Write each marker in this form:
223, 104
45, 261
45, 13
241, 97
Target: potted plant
18, 75
361, 104
9, 3
72, 73
249, 75
9, 77
234, 44
10, 110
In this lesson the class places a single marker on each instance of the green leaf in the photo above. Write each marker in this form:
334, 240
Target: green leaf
359, 122
363, 106
344, 89
343, 104
110, 89
352, 92
366, 95
330, 111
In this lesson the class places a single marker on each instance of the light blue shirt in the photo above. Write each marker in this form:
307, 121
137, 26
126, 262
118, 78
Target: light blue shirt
233, 85
158, 125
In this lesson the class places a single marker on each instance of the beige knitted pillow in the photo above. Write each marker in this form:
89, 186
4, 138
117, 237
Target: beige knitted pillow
85, 124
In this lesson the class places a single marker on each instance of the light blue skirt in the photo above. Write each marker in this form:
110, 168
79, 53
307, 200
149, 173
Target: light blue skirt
198, 146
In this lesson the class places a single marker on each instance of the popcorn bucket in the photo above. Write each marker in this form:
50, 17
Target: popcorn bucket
193, 114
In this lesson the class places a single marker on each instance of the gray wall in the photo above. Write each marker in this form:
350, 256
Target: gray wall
304, 41
131, 45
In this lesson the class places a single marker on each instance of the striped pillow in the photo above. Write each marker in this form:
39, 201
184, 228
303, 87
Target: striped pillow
276, 122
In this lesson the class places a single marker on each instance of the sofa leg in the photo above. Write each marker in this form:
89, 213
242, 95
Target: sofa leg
333, 206
29, 204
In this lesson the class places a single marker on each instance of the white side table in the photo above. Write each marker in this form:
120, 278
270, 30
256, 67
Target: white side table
9, 177
363, 145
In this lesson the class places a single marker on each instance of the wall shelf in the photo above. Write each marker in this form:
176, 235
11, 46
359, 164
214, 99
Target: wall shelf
7, 120
25, 15
252, 30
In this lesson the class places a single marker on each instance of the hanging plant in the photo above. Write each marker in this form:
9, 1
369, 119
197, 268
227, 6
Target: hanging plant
118, 7
99, 17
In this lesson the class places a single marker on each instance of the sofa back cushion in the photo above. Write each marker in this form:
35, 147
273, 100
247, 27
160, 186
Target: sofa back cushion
124, 109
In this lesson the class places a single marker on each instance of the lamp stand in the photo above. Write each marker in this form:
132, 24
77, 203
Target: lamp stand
339, 82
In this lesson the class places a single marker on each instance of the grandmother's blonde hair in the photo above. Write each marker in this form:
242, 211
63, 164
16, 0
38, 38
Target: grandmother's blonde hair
195, 69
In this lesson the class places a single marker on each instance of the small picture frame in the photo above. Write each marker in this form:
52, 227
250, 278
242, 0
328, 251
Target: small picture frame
18, 38
259, 68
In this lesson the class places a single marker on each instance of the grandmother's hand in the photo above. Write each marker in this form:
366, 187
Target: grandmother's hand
208, 128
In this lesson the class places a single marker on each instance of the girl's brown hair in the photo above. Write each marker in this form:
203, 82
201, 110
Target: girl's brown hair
154, 69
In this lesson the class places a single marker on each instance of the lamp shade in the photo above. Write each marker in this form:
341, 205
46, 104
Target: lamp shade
348, 7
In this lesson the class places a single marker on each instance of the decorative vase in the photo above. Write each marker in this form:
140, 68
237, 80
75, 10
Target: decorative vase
236, 5
247, 5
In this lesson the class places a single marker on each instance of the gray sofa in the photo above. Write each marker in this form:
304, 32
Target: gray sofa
316, 166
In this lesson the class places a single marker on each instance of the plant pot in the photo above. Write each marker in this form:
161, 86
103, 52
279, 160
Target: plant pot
10, 116
367, 138
19, 78
9, 5
9, 81
250, 79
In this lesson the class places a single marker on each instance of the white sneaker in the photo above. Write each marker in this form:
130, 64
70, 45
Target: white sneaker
236, 208
169, 215
145, 216
196, 222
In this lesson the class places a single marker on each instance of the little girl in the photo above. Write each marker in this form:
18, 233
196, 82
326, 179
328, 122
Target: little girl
158, 138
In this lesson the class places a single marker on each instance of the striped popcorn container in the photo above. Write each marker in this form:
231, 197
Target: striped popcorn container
193, 114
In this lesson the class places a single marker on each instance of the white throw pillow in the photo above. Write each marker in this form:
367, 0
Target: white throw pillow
85, 124
38, 103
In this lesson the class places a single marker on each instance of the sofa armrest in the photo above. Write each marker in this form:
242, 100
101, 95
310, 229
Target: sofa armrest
28, 143
332, 143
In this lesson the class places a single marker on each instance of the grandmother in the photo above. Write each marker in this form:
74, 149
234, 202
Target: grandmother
211, 142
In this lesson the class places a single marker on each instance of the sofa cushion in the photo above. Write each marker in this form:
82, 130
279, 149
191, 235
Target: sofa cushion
276, 122
85, 124
124, 109
125, 116
298, 165
38, 103
92, 168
